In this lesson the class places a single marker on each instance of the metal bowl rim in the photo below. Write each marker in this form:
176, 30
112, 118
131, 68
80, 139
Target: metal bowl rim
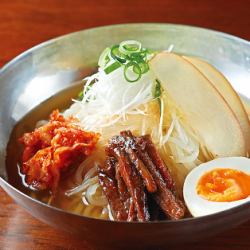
182, 221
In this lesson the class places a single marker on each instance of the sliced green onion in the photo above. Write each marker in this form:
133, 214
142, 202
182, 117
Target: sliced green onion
143, 67
80, 96
157, 90
135, 57
141, 62
130, 46
141, 54
104, 58
135, 69
157, 94
117, 55
128, 54
112, 67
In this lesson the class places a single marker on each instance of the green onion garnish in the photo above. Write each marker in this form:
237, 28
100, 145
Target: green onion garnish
117, 55
157, 93
128, 47
104, 58
157, 90
128, 54
136, 70
80, 96
112, 67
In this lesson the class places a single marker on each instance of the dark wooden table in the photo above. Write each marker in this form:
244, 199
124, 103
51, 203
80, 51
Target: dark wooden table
24, 24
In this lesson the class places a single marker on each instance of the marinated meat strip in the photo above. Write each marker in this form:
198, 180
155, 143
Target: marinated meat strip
168, 202
122, 189
171, 206
142, 187
125, 196
109, 167
132, 213
148, 145
132, 180
145, 174
108, 182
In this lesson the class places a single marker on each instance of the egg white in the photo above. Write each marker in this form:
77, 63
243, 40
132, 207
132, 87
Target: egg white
199, 206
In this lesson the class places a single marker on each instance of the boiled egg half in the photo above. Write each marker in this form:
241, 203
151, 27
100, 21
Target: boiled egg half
217, 185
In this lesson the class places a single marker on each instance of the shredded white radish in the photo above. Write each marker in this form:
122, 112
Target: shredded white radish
93, 197
181, 132
191, 157
92, 172
186, 149
161, 120
169, 132
86, 169
83, 186
109, 99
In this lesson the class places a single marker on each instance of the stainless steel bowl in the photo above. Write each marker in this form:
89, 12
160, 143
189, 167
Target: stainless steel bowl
44, 70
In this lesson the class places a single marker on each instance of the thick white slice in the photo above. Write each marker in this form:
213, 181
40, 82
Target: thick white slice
201, 104
227, 91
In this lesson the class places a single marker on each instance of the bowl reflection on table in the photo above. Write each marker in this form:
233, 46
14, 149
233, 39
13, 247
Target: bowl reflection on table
40, 73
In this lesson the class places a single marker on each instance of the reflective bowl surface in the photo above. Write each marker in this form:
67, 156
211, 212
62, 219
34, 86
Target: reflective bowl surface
41, 72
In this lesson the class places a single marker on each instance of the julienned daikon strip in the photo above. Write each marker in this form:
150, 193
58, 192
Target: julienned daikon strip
83, 186
110, 97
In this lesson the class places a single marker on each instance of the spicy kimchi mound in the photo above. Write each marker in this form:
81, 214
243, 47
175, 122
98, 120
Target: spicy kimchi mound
52, 148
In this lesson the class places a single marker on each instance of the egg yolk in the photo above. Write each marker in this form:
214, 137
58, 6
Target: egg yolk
224, 185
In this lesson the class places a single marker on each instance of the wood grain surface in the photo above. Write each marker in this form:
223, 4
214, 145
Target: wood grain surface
24, 24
